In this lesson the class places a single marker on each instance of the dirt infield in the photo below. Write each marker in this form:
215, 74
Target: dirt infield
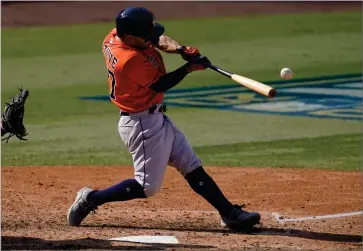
35, 201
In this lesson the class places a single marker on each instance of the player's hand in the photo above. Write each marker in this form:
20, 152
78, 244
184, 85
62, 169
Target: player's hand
188, 52
198, 64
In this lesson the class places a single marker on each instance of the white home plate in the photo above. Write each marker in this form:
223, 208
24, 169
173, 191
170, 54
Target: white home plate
148, 239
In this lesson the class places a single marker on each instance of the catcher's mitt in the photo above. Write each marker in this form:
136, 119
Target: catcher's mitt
12, 117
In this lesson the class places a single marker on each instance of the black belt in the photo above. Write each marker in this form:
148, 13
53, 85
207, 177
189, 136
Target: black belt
151, 110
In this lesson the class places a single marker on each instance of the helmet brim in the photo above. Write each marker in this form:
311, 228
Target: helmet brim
158, 30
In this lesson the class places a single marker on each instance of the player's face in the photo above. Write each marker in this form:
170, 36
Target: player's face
137, 42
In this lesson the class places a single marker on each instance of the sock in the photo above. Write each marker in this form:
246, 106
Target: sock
205, 186
126, 190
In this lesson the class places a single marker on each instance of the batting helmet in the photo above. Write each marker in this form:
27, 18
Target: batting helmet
140, 22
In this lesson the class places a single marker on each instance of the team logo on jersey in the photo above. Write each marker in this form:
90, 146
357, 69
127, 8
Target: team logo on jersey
153, 61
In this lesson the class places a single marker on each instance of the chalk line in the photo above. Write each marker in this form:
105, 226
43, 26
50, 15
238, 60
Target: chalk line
166, 211
328, 216
277, 216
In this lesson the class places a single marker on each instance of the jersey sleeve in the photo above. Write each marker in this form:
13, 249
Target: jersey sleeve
141, 71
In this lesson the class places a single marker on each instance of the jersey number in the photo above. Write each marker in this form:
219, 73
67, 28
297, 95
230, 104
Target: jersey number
110, 73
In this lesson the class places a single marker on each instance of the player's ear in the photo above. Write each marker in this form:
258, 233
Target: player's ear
127, 38
134, 39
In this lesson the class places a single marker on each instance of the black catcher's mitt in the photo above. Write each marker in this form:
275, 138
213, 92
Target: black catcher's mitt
12, 117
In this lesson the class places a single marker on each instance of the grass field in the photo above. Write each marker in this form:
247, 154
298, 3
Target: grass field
60, 64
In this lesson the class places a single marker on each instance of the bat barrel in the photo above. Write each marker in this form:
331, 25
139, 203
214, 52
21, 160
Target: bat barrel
256, 86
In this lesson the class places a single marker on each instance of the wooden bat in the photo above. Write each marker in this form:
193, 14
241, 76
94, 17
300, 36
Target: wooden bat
254, 85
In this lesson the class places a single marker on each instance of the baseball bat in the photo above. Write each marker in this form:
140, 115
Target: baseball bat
254, 85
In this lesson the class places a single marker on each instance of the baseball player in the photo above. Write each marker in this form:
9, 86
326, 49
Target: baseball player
137, 81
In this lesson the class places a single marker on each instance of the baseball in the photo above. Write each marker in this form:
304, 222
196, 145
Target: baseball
286, 73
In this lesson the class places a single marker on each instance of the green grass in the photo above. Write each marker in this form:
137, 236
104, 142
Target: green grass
332, 152
61, 63
80, 39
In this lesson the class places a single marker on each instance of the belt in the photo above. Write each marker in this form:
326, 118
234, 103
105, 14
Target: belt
151, 110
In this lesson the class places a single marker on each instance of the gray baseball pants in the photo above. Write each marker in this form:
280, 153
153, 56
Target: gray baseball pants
155, 142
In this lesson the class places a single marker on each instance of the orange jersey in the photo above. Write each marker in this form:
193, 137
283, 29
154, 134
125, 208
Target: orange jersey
130, 73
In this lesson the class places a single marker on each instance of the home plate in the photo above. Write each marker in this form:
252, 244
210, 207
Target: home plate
148, 239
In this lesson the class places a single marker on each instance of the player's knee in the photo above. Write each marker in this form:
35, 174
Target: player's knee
151, 185
151, 189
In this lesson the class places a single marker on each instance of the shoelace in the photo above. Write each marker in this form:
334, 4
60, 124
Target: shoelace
239, 206
7, 139
13, 134
89, 207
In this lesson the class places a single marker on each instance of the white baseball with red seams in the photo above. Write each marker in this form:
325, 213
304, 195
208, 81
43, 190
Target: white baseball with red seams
286, 73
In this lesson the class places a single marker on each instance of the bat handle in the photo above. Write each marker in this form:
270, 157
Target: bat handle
219, 70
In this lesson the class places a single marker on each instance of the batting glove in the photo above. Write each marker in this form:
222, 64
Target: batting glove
198, 64
188, 52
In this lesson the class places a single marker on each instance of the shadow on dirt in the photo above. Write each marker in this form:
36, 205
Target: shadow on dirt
29, 243
257, 231
309, 234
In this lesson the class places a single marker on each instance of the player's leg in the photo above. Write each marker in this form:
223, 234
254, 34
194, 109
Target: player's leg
146, 139
143, 136
189, 165
232, 215
128, 189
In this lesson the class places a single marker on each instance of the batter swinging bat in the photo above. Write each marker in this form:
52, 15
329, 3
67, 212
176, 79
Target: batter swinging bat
256, 86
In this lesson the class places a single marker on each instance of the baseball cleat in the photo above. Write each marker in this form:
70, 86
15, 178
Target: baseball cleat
80, 208
240, 219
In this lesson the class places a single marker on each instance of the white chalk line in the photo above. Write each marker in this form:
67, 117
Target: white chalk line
328, 216
177, 212
277, 216
167, 211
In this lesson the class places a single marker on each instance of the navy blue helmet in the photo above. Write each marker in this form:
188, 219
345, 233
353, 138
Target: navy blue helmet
140, 22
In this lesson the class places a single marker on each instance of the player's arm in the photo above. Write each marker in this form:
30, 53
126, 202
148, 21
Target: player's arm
168, 45
173, 78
